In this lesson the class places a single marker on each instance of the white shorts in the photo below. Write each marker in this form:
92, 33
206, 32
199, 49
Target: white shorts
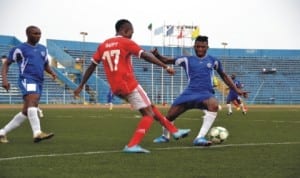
138, 98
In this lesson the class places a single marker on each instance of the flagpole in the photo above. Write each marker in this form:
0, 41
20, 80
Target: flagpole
152, 82
162, 71
161, 31
152, 76
192, 34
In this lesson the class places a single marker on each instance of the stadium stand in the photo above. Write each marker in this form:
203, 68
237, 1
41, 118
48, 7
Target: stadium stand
272, 76
53, 91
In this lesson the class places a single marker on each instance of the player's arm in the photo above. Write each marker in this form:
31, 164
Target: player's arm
164, 59
85, 78
152, 59
50, 71
5, 67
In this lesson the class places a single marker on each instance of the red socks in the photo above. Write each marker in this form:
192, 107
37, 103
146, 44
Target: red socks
141, 130
164, 121
146, 123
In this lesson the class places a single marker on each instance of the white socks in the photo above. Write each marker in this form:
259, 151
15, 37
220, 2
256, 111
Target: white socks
165, 131
242, 107
17, 120
229, 107
34, 120
208, 120
20, 118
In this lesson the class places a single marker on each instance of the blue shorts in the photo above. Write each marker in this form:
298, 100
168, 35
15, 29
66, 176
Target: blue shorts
232, 97
192, 98
29, 86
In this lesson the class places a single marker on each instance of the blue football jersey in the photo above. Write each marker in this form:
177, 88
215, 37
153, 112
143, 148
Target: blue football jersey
199, 71
238, 84
31, 61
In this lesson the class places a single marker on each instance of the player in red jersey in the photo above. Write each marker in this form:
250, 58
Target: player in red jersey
115, 54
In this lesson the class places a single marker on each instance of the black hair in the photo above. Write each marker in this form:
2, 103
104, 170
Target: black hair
120, 23
232, 76
202, 38
29, 28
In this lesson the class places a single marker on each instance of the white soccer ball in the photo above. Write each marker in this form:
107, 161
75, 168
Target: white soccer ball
218, 134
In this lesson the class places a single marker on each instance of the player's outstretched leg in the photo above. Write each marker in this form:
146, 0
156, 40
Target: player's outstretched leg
17, 120
142, 128
208, 120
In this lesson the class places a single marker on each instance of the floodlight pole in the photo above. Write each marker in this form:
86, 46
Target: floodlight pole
84, 34
224, 62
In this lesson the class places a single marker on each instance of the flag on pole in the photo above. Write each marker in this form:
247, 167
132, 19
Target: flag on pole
170, 30
159, 30
195, 33
180, 35
150, 27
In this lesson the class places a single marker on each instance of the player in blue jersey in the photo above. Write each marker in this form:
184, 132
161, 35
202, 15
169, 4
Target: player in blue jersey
32, 60
110, 98
233, 97
199, 94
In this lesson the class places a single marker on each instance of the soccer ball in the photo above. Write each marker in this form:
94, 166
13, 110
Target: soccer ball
218, 134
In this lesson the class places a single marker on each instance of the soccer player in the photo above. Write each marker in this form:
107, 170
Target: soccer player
233, 97
32, 60
110, 98
199, 94
115, 54
3, 59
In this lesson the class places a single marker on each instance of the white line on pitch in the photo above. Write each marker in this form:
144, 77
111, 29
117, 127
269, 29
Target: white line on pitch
166, 148
255, 120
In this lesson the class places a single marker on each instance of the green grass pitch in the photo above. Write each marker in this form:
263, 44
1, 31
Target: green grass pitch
88, 142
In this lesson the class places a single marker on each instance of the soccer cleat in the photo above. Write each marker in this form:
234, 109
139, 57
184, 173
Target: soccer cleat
181, 133
135, 149
244, 112
229, 113
3, 139
42, 136
201, 141
161, 139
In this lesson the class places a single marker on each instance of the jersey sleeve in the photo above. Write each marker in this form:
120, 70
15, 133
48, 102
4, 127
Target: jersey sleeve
181, 61
15, 55
97, 56
218, 65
